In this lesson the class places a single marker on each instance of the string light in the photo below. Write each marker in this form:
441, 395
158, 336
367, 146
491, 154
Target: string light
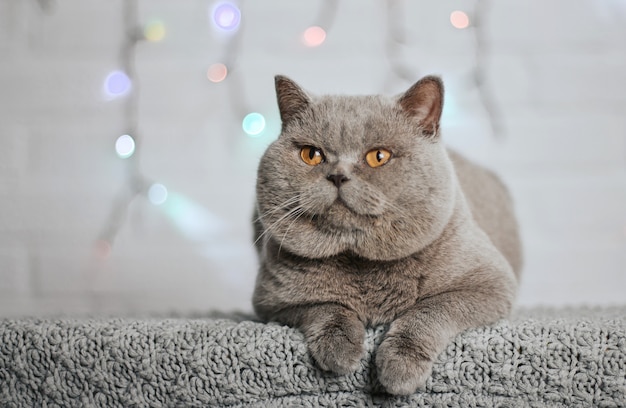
225, 68
481, 8
459, 19
226, 16
116, 84
102, 249
192, 219
314, 36
154, 31
125, 146
157, 194
217, 72
253, 124
394, 43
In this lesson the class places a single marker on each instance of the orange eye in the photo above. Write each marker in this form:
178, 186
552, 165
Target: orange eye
377, 157
311, 155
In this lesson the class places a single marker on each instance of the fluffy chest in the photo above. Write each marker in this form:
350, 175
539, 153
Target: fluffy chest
380, 291
377, 291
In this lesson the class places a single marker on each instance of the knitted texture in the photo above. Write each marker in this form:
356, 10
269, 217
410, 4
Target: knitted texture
563, 358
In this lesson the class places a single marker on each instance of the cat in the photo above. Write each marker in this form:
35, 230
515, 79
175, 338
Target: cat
364, 218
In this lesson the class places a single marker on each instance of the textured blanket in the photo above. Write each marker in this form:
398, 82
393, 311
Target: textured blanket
562, 358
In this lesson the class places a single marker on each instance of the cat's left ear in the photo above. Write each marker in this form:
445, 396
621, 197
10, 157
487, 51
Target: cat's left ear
424, 102
291, 98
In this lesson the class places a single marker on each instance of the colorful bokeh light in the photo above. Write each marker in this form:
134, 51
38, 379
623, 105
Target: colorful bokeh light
226, 16
157, 194
193, 220
253, 124
102, 249
125, 146
217, 72
154, 31
116, 84
459, 19
313, 36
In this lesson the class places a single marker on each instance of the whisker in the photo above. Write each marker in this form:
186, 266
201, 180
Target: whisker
283, 205
275, 223
300, 213
300, 210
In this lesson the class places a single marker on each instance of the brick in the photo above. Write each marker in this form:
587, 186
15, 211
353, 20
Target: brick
576, 208
583, 78
547, 141
559, 87
49, 306
14, 273
51, 90
98, 30
216, 273
548, 27
594, 274
12, 158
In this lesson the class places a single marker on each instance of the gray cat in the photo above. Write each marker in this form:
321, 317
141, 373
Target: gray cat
366, 219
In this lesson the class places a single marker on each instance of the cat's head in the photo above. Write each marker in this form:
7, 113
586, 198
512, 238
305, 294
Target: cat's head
365, 174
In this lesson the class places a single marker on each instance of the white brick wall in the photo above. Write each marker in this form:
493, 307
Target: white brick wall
555, 70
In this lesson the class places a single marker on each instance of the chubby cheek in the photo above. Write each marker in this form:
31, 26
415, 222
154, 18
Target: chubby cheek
316, 196
390, 179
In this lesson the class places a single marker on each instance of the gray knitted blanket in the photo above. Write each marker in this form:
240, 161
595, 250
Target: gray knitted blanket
562, 358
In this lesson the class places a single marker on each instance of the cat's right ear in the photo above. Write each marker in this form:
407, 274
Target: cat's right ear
291, 98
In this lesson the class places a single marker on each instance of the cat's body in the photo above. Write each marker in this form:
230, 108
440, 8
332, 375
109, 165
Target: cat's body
365, 219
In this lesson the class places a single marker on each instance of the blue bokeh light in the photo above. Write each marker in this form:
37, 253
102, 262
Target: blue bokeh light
157, 194
226, 16
117, 84
125, 146
253, 124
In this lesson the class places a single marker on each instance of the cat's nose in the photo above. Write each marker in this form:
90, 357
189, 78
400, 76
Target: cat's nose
338, 179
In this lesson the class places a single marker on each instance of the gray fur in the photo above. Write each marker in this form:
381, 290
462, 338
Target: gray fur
426, 243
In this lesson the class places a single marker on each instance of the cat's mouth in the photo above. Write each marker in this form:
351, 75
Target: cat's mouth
341, 216
341, 208
341, 202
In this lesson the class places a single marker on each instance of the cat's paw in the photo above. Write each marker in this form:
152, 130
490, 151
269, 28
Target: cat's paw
402, 369
337, 347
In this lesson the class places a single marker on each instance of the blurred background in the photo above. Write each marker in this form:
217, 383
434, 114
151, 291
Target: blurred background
130, 132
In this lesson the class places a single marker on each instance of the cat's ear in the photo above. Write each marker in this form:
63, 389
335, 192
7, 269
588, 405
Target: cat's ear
291, 98
424, 102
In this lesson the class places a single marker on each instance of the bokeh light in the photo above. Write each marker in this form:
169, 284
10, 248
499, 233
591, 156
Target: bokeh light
125, 146
154, 31
116, 84
226, 16
313, 36
102, 249
217, 72
253, 124
157, 194
459, 19
192, 219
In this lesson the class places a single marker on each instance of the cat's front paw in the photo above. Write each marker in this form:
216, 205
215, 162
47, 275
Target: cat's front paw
402, 368
337, 346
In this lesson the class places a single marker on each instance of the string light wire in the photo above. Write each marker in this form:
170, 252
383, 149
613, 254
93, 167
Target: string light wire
315, 35
479, 75
230, 75
135, 182
394, 42
326, 15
